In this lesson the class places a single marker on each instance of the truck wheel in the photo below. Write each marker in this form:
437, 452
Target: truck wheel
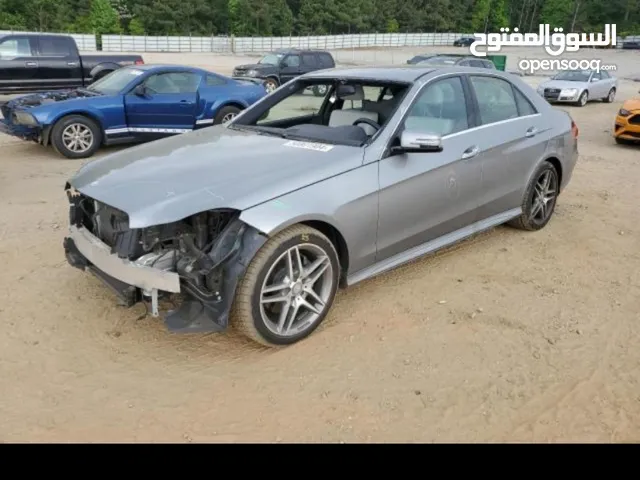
319, 90
288, 288
76, 136
226, 114
271, 84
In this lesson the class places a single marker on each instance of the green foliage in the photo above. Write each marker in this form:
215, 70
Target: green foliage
104, 18
313, 17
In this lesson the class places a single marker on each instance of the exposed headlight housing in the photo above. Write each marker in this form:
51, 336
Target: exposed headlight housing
24, 118
624, 113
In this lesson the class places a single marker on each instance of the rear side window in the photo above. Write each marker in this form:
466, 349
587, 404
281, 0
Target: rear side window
55, 47
604, 74
309, 60
496, 99
213, 81
524, 105
15, 47
326, 60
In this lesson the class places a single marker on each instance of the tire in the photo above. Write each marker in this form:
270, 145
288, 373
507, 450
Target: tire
226, 114
527, 221
271, 84
257, 319
611, 96
319, 90
66, 127
584, 98
623, 141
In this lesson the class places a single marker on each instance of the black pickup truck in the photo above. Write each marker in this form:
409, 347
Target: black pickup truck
39, 62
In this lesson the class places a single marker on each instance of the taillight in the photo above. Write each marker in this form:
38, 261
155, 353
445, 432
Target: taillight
140, 62
574, 129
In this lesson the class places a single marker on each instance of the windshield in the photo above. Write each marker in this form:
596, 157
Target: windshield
439, 61
574, 76
115, 81
271, 59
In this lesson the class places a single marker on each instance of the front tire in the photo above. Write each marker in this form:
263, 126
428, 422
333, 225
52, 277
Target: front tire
271, 84
288, 288
76, 137
539, 200
584, 98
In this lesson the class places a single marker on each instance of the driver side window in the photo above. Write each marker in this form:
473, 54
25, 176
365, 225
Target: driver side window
440, 109
174, 82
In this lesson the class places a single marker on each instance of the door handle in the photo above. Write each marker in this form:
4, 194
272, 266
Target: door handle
531, 132
31, 64
470, 152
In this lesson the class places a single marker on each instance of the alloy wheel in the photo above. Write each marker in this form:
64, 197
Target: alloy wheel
544, 197
77, 138
296, 290
228, 117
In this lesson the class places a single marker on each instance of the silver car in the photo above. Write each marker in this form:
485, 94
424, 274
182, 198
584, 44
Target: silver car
579, 87
257, 222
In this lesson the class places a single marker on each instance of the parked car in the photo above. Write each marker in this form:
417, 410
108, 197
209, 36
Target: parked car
464, 41
631, 43
132, 104
458, 60
419, 58
257, 222
627, 123
579, 87
282, 65
31, 62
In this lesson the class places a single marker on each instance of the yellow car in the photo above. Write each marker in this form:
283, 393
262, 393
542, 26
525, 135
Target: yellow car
627, 127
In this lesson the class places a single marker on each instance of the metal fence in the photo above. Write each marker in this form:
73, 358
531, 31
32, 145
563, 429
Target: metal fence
127, 43
85, 42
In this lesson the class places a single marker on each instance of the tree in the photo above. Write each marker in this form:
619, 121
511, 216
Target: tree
104, 18
135, 27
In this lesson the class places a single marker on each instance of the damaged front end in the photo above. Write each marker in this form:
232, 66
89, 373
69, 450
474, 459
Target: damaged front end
202, 258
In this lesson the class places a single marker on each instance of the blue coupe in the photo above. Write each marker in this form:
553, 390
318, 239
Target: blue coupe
132, 104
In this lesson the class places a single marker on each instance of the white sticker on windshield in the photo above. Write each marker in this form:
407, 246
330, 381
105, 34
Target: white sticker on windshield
318, 147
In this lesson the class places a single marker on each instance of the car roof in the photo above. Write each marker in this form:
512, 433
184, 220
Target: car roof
401, 73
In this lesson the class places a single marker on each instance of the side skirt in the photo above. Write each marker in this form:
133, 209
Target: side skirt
432, 246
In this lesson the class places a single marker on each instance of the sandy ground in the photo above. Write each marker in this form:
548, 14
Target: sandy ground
510, 336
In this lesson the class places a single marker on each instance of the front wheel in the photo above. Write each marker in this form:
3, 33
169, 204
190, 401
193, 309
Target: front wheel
584, 98
76, 136
288, 288
270, 84
319, 90
539, 200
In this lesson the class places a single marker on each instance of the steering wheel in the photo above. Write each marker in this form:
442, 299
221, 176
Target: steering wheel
368, 121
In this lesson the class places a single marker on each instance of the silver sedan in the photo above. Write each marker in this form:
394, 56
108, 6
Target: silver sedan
258, 222
579, 87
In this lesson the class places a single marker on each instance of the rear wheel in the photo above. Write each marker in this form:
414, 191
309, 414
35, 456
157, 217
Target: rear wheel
288, 288
319, 90
76, 136
226, 114
611, 96
539, 200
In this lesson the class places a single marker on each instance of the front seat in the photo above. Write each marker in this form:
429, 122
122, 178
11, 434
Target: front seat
348, 116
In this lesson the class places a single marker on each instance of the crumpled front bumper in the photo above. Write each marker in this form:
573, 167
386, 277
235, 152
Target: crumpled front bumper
21, 131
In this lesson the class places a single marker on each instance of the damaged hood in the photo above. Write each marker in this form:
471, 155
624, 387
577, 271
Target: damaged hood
168, 180
47, 98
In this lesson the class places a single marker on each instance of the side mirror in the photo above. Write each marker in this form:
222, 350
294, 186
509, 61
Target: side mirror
140, 91
414, 142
